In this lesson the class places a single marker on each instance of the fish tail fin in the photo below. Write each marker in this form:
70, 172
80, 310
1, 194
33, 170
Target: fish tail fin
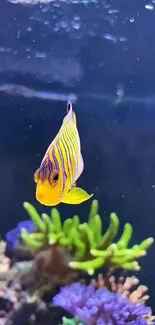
76, 196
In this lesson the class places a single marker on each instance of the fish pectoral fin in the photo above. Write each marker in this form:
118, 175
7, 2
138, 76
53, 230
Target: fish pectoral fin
76, 196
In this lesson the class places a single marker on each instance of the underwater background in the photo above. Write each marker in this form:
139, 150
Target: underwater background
101, 56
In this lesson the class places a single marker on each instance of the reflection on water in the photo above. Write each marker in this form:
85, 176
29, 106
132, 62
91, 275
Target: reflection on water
115, 99
19, 90
74, 43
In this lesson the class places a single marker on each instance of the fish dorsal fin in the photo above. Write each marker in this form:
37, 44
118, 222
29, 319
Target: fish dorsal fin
80, 168
69, 107
70, 114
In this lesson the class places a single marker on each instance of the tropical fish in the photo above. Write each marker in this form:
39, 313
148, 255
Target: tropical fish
61, 166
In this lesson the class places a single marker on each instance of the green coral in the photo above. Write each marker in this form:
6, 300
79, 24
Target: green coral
71, 321
90, 248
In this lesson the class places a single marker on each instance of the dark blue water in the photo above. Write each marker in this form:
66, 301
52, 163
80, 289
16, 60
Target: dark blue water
40, 53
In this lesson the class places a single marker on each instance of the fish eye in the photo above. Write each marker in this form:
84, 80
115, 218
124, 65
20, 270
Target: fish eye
55, 177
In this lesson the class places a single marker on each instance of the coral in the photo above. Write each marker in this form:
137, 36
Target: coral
24, 312
9, 292
4, 260
49, 270
5, 294
99, 307
18, 270
27, 311
14, 235
10, 295
21, 251
31, 310
124, 285
89, 247
58, 255
71, 321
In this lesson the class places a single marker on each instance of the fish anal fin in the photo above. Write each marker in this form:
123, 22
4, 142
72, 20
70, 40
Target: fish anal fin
76, 196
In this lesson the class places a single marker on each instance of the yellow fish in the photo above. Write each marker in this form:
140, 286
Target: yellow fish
61, 166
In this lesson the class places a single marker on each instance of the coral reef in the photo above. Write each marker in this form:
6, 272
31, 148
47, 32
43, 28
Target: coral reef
52, 263
86, 243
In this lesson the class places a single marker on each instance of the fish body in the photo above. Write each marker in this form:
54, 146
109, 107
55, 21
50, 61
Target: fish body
61, 166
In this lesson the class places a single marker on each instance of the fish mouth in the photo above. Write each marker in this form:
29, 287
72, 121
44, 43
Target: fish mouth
40, 198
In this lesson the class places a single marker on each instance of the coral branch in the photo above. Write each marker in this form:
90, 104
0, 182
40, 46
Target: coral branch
90, 248
124, 285
95, 307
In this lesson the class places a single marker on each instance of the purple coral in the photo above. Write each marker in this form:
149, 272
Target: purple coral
13, 235
100, 307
